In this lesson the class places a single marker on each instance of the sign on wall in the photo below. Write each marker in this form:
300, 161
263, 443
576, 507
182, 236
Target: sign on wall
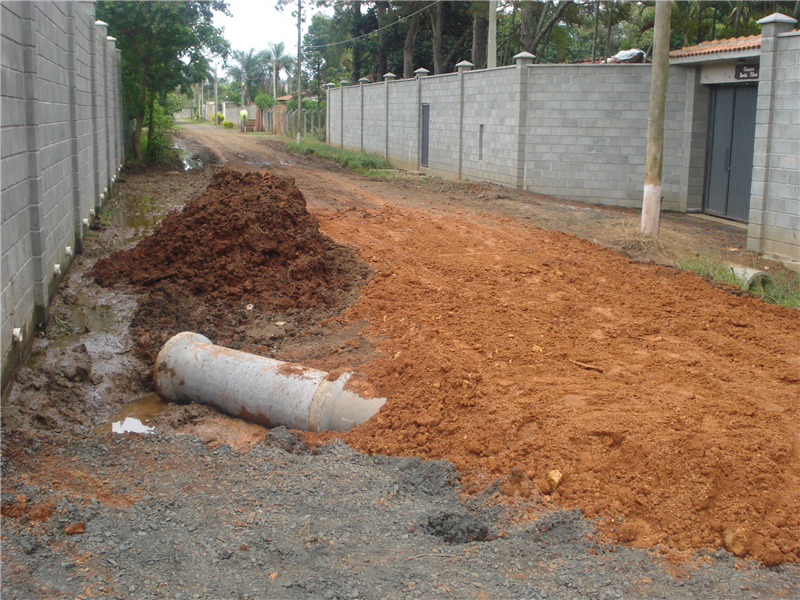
746, 72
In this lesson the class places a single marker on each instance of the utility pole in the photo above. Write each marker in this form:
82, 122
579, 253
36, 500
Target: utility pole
299, 66
651, 203
216, 110
491, 46
202, 100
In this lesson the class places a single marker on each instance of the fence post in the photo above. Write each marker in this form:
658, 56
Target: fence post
328, 87
420, 73
361, 83
387, 79
342, 85
462, 68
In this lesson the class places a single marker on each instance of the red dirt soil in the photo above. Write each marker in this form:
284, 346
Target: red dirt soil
658, 397
670, 407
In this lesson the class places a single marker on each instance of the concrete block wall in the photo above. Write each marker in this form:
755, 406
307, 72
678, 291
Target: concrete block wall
373, 105
404, 123
774, 227
587, 133
578, 131
61, 150
351, 134
491, 100
443, 94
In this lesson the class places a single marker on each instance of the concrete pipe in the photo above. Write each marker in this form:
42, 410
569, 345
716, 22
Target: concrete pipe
272, 393
749, 276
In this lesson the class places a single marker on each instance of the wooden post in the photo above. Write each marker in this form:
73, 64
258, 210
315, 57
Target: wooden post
651, 203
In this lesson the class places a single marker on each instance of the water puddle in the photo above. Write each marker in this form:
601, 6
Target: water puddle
133, 417
139, 213
188, 161
92, 318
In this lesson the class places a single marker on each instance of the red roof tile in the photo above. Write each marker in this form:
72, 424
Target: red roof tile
751, 42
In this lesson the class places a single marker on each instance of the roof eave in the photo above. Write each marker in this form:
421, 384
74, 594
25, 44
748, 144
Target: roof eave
715, 56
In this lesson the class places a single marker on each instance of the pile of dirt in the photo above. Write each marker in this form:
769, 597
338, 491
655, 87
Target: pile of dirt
245, 251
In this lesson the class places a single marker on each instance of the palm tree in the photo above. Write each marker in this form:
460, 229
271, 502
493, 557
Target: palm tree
279, 60
250, 68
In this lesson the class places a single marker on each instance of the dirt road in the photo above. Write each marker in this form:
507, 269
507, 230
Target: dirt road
666, 406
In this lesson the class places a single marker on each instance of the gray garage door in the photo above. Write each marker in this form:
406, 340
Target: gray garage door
729, 164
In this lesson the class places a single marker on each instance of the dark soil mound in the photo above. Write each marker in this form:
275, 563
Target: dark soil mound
245, 251
249, 239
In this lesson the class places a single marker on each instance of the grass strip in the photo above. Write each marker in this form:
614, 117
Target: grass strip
365, 164
784, 288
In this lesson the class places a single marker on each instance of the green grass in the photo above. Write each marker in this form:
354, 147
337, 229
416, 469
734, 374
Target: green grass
784, 288
108, 216
365, 164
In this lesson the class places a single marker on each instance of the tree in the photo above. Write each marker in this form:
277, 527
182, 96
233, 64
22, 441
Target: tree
250, 68
532, 36
164, 47
276, 54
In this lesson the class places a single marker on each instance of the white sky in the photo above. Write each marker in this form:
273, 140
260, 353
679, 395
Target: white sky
256, 23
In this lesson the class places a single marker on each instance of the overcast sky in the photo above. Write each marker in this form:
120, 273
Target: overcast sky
256, 23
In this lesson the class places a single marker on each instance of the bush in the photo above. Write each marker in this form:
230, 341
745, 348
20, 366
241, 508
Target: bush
159, 141
220, 118
227, 124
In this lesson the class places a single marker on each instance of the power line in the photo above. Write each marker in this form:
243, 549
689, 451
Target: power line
374, 30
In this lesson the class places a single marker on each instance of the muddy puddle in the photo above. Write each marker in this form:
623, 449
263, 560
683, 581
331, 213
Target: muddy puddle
189, 160
134, 417
81, 372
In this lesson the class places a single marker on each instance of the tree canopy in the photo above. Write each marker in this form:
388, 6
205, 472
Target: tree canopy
165, 46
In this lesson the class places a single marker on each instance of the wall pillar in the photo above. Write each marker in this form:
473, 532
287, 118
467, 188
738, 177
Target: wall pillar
77, 237
328, 87
462, 68
387, 79
342, 84
420, 73
523, 59
771, 27
35, 208
361, 83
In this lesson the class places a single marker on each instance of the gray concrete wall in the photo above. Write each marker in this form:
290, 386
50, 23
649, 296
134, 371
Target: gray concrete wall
403, 123
578, 131
587, 134
61, 149
491, 100
774, 227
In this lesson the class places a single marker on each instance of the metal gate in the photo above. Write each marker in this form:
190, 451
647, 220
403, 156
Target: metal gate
426, 125
729, 158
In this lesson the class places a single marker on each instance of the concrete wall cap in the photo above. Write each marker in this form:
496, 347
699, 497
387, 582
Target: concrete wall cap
390, 76
103, 23
363, 80
344, 82
524, 55
111, 39
465, 63
777, 18
421, 72
330, 84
